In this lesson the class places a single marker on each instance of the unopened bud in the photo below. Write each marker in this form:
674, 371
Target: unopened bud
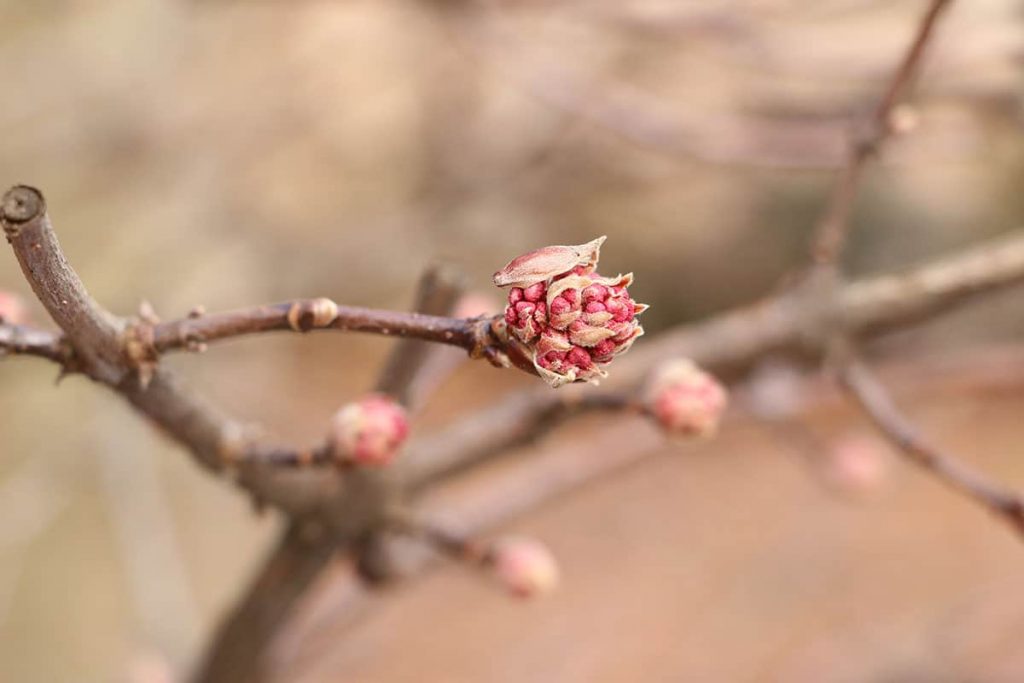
12, 309
903, 119
570, 319
856, 464
309, 315
685, 400
524, 566
473, 304
369, 431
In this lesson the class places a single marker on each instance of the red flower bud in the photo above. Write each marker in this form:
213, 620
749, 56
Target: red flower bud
524, 566
12, 309
686, 400
569, 317
369, 431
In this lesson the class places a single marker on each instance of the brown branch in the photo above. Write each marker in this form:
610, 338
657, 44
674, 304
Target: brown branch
519, 420
92, 332
238, 650
21, 340
305, 315
831, 232
732, 342
439, 291
873, 399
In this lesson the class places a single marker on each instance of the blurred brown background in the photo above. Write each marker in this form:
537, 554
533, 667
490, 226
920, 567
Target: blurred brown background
228, 153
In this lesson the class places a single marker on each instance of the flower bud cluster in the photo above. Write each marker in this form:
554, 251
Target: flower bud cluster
571, 320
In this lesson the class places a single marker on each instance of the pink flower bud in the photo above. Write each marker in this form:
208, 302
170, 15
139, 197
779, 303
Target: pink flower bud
685, 400
856, 464
12, 309
571, 319
369, 431
534, 292
524, 566
473, 304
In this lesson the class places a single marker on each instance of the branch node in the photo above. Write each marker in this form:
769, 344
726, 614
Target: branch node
20, 205
307, 315
140, 350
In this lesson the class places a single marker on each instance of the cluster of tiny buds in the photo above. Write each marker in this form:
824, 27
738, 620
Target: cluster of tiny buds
525, 567
369, 432
571, 320
685, 400
12, 309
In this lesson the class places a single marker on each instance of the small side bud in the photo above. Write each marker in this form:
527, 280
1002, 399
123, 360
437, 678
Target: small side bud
12, 309
304, 316
524, 566
685, 400
903, 119
369, 432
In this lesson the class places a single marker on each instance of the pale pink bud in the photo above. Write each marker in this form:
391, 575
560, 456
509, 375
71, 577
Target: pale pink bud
856, 464
12, 309
150, 667
524, 566
473, 304
685, 400
369, 431
547, 262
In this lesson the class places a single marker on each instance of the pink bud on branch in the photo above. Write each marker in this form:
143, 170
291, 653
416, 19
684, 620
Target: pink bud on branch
684, 399
369, 432
12, 309
571, 320
524, 566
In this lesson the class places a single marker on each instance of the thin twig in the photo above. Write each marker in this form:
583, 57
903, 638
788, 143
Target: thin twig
304, 551
872, 398
92, 332
520, 420
733, 342
831, 232
438, 291
299, 316
21, 340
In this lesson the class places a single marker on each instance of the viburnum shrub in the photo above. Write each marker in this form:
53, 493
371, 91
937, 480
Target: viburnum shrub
685, 400
369, 432
570, 320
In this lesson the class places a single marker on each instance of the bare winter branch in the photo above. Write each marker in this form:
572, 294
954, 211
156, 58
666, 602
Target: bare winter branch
872, 398
94, 334
305, 550
21, 340
734, 341
831, 232
305, 315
